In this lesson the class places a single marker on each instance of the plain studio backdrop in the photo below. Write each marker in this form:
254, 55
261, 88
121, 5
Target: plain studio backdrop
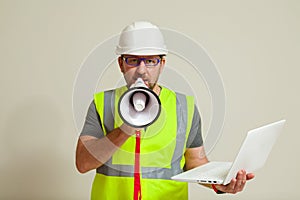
254, 44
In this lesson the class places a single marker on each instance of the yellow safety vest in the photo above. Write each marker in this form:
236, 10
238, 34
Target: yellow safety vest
163, 144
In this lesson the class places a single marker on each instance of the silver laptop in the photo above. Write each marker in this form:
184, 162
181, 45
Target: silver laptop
252, 156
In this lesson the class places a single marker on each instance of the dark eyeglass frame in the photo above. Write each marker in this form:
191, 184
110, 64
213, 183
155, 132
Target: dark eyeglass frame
142, 59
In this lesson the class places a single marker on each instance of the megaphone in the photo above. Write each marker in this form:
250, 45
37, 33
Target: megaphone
139, 106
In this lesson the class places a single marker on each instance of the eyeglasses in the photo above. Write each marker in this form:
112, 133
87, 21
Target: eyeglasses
135, 61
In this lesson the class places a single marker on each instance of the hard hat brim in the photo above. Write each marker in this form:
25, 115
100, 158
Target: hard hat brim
142, 51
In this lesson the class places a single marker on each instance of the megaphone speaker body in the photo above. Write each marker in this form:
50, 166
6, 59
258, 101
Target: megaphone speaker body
139, 107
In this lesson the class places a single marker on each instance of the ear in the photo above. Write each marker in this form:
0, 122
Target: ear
162, 64
120, 62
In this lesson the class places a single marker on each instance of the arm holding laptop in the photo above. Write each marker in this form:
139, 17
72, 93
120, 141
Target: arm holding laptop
196, 157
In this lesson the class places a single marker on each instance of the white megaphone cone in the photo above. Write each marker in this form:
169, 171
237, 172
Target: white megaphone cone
139, 106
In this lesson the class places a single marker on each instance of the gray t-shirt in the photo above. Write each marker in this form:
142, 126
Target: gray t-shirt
92, 127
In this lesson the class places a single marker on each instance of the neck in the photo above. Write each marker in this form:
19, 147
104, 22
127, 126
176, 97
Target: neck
156, 89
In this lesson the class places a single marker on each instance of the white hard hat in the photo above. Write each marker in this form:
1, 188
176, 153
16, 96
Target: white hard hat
141, 38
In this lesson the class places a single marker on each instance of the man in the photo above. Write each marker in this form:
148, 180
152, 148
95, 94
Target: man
137, 163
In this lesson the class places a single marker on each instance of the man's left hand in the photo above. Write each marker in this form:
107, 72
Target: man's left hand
236, 184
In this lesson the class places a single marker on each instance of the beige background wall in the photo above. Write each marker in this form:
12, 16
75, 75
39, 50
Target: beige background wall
255, 45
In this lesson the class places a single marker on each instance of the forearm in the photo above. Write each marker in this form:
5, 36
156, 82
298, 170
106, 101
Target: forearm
93, 153
195, 157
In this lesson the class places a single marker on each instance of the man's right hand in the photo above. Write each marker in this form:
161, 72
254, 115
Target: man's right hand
129, 130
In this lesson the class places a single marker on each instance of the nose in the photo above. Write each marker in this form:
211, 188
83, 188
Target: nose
141, 69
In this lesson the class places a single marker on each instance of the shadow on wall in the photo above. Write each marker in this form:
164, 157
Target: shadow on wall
31, 150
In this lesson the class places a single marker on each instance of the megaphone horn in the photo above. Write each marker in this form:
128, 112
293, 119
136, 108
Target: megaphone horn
139, 106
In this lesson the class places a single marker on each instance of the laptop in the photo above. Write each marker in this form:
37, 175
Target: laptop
252, 155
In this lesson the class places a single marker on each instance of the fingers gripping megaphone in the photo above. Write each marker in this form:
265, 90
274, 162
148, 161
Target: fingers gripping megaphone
139, 106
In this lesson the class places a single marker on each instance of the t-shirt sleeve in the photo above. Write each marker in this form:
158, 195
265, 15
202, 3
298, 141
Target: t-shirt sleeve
92, 125
195, 136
